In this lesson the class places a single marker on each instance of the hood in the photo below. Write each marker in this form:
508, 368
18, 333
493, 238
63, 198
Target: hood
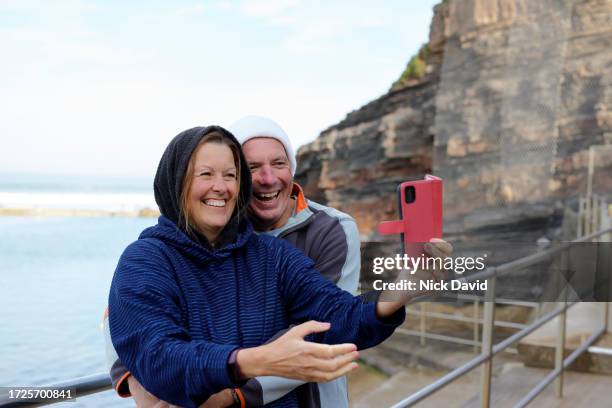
171, 172
170, 234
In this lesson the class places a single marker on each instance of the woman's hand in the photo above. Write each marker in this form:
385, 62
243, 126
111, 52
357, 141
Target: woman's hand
435, 248
291, 356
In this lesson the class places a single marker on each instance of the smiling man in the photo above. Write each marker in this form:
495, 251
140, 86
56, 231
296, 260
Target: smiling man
278, 207
329, 237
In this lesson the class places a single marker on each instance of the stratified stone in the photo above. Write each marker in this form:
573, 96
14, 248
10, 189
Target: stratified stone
515, 94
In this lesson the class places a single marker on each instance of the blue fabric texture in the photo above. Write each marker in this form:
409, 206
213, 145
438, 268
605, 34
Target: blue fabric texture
177, 309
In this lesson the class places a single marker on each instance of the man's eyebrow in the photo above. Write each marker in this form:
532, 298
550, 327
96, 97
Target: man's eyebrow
280, 158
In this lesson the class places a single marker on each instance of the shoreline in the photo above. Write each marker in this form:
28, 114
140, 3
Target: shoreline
67, 212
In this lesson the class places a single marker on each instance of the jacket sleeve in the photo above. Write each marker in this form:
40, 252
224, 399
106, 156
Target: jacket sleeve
338, 256
339, 261
149, 334
308, 296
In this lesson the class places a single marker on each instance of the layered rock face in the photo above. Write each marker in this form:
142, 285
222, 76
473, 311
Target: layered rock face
514, 92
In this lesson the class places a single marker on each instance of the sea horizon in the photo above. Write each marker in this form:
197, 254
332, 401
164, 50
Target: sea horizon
23, 191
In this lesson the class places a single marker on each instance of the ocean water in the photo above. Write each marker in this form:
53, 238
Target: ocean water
75, 192
55, 274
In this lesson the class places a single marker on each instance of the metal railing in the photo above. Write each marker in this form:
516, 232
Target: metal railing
593, 214
80, 387
489, 350
475, 319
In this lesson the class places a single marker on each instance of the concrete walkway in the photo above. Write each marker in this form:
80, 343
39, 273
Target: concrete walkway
508, 387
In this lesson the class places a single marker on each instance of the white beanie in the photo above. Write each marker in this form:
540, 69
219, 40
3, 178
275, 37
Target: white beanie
250, 127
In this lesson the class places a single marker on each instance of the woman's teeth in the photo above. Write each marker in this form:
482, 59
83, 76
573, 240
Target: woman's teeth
215, 203
266, 196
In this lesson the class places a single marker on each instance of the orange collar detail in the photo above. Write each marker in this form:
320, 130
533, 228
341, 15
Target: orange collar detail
300, 199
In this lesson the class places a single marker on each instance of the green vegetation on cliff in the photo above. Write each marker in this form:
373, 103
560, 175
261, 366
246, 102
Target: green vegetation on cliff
415, 69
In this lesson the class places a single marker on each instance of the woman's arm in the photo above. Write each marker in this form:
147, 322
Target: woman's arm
308, 297
395, 300
345, 323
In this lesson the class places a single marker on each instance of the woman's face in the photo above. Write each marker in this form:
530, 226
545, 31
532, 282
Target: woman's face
213, 190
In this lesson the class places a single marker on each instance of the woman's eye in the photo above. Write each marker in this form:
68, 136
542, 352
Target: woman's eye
205, 173
231, 176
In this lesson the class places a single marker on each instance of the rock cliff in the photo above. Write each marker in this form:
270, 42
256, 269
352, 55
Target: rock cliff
503, 103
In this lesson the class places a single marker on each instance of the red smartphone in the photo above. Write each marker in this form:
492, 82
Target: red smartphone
420, 211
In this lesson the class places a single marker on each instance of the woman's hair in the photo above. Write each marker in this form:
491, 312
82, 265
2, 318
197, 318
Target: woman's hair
213, 137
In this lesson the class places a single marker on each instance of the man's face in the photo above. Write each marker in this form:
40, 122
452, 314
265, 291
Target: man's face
271, 204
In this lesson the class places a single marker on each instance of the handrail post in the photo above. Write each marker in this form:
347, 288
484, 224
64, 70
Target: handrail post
559, 351
608, 294
476, 324
606, 304
487, 343
560, 341
580, 223
596, 213
606, 315
589, 216
423, 322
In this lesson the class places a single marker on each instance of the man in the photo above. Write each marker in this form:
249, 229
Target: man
278, 207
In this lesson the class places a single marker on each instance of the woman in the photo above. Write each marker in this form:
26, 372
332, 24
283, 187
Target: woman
196, 297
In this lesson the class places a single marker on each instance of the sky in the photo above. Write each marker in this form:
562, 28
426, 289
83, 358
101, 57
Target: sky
100, 87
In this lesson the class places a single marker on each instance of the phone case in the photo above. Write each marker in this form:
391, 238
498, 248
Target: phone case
420, 211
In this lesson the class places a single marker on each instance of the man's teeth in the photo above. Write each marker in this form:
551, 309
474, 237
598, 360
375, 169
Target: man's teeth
267, 195
215, 203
